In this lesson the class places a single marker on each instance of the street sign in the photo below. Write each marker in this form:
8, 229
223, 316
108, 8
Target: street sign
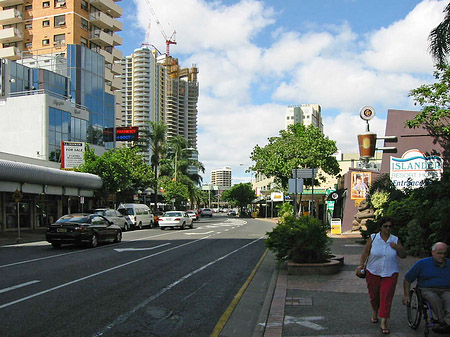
17, 196
292, 186
304, 173
336, 226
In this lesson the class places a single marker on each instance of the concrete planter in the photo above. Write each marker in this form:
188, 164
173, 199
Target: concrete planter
323, 268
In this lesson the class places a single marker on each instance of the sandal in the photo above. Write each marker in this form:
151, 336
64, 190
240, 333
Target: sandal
374, 320
385, 331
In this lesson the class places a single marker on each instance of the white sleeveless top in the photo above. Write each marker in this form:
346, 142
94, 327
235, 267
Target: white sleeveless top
383, 259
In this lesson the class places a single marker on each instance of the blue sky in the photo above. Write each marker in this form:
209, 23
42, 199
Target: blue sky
257, 57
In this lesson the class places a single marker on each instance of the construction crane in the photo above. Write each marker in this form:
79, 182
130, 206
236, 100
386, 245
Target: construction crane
168, 40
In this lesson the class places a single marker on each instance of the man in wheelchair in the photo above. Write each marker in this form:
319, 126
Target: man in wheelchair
433, 279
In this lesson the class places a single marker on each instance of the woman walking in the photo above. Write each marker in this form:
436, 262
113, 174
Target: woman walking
381, 254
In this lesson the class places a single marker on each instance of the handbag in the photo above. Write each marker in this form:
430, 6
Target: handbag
362, 272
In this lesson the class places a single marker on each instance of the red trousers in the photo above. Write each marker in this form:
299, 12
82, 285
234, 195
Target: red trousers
381, 292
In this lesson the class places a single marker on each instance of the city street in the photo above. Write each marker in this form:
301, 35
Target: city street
153, 283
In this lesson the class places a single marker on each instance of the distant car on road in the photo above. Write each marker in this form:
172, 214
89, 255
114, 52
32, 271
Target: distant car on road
193, 214
174, 219
231, 213
124, 222
82, 228
207, 212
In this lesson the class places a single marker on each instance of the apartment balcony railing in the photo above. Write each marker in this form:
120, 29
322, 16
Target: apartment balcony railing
101, 38
108, 6
104, 21
10, 16
11, 53
12, 34
6, 3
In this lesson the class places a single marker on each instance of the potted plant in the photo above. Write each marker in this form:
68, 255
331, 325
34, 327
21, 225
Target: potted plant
302, 242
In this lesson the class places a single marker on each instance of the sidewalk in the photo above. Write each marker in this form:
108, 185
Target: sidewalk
333, 305
26, 236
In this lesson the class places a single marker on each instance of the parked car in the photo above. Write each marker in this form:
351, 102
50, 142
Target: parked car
193, 214
231, 212
207, 212
174, 219
82, 228
139, 214
124, 222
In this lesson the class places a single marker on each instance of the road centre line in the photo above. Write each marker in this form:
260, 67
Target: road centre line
18, 286
124, 317
98, 273
119, 250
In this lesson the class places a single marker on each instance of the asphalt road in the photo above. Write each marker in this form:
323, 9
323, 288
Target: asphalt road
153, 283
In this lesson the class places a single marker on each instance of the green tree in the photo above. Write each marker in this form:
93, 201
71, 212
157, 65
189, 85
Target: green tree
123, 172
175, 192
240, 195
440, 39
157, 137
435, 114
297, 147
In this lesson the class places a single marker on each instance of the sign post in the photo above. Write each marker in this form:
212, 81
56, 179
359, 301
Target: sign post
306, 173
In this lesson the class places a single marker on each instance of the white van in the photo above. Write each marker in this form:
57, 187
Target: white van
139, 214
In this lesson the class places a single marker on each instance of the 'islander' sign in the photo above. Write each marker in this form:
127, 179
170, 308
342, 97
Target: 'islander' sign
413, 168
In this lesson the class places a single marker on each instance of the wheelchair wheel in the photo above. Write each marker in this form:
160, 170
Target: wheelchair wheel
414, 309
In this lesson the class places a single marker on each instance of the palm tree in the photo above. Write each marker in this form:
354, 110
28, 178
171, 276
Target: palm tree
440, 39
157, 136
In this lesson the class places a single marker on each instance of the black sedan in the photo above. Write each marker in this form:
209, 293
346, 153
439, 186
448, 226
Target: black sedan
82, 228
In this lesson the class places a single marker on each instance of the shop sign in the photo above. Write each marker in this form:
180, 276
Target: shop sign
336, 226
413, 168
276, 196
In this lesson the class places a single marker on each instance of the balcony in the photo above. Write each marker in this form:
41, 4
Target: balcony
117, 54
10, 16
108, 56
117, 69
117, 40
6, 3
108, 6
101, 38
102, 20
10, 35
11, 53
116, 83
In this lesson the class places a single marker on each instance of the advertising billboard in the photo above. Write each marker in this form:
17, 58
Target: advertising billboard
360, 182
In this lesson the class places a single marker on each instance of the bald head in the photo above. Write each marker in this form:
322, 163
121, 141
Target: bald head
439, 251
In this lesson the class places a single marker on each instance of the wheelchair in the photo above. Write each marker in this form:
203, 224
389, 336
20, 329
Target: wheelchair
417, 309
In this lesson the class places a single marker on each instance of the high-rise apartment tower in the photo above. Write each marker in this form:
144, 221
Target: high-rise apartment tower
306, 114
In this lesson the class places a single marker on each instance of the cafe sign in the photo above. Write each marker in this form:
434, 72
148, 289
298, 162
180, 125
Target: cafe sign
413, 168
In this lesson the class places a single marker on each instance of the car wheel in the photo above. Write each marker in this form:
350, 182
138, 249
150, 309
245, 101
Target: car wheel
140, 225
192, 225
125, 227
183, 226
118, 237
94, 241
56, 244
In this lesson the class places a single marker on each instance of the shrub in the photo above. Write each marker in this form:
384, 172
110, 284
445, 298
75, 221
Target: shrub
301, 240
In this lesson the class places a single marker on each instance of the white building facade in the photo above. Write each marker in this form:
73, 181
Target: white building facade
306, 114
221, 177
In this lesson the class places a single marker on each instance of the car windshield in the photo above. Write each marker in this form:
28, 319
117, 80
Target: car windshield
74, 218
206, 210
190, 212
100, 211
126, 211
170, 214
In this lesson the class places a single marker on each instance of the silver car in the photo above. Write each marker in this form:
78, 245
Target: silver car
115, 217
174, 219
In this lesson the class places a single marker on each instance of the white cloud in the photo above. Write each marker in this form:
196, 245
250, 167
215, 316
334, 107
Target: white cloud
403, 46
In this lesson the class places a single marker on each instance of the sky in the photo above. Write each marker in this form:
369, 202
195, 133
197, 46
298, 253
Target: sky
255, 58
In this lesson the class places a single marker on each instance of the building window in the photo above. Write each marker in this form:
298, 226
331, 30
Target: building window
60, 20
46, 23
59, 39
60, 3
84, 41
28, 7
84, 5
28, 25
28, 45
45, 42
46, 4
84, 24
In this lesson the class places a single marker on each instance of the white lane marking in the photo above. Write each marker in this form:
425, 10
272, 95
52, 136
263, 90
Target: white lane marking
76, 252
97, 274
28, 244
18, 286
125, 316
120, 250
204, 233
305, 321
